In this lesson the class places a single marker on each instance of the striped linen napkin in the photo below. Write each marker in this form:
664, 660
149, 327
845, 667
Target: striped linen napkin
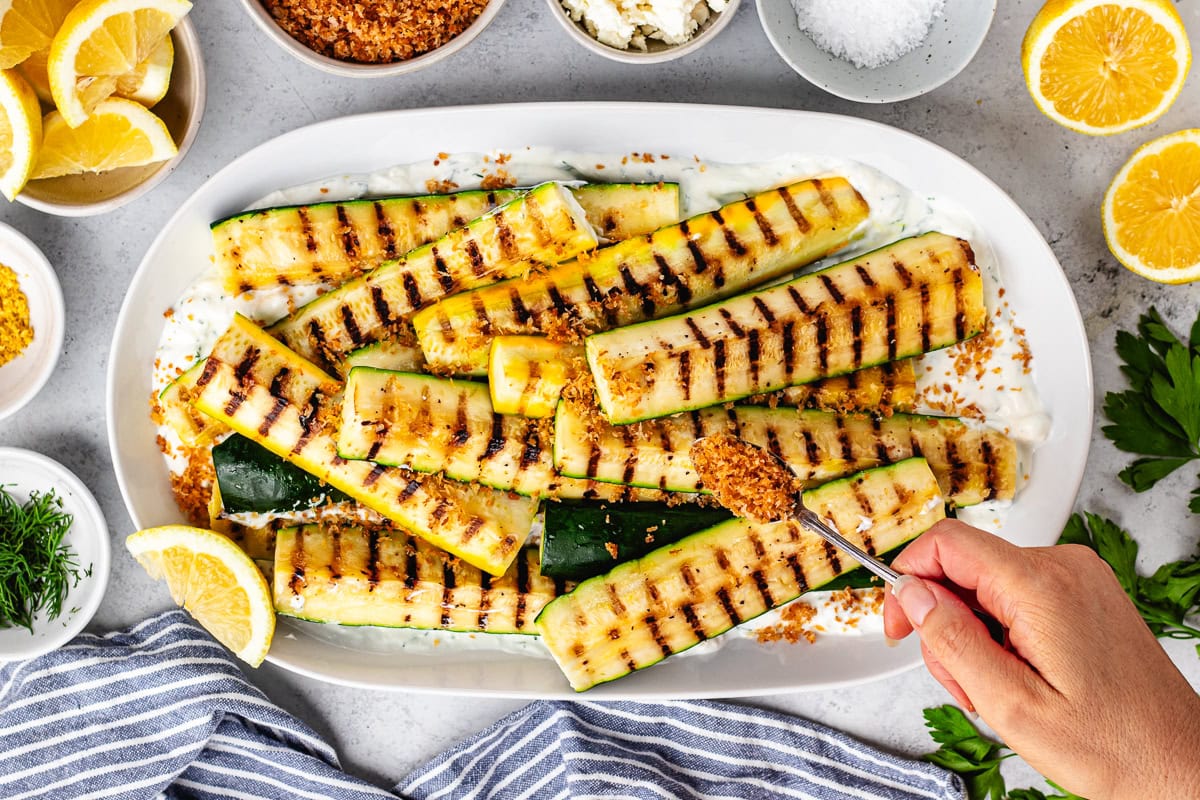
161, 710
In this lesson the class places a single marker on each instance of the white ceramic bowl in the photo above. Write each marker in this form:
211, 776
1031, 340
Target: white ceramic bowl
23, 377
182, 108
349, 69
656, 52
951, 44
22, 472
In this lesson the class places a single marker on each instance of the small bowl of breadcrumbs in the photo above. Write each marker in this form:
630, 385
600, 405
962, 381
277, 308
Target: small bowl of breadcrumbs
32, 320
372, 38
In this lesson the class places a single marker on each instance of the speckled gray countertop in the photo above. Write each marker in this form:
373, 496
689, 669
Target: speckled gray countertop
256, 91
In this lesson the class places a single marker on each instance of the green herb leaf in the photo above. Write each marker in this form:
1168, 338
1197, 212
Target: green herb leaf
1158, 417
974, 757
36, 568
1164, 599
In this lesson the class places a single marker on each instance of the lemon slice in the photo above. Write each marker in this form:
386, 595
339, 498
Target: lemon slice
20, 132
1152, 210
33, 70
27, 26
100, 42
1105, 66
215, 581
120, 133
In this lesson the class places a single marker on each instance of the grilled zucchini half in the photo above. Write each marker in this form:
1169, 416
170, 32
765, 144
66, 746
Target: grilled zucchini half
392, 354
972, 463
543, 226
248, 383
681, 266
911, 297
682, 594
883, 388
352, 576
175, 408
431, 424
334, 242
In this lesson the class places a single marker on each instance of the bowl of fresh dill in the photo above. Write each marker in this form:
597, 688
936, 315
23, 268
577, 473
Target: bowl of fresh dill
54, 554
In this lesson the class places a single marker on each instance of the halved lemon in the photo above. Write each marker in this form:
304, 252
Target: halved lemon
101, 41
20, 132
27, 26
1104, 66
1152, 209
213, 580
119, 133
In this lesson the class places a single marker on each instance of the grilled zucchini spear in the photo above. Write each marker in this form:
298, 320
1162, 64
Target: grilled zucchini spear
543, 226
334, 242
681, 266
682, 594
913, 296
250, 381
527, 374
351, 576
972, 464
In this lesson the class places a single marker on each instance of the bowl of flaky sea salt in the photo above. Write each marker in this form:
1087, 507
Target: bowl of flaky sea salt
877, 51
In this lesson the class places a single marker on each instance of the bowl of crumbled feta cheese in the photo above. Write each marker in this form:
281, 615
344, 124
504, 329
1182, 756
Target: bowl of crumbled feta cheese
877, 51
643, 31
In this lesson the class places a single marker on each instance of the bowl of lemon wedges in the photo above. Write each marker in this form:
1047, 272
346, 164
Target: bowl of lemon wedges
100, 100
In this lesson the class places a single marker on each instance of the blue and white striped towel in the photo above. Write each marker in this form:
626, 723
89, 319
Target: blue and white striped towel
160, 710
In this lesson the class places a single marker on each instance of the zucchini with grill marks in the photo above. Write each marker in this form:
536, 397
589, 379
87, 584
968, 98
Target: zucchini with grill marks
891, 386
352, 576
527, 374
972, 463
333, 242
681, 266
246, 388
620, 210
911, 297
175, 408
682, 594
433, 424
543, 226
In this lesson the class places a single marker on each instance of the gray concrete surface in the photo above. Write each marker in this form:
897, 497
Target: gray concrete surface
256, 91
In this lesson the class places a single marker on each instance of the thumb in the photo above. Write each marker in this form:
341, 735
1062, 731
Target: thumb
961, 645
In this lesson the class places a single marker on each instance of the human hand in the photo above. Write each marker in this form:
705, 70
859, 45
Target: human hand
1084, 693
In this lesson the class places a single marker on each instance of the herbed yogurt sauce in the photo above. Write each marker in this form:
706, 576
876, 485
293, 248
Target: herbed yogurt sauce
1001, 392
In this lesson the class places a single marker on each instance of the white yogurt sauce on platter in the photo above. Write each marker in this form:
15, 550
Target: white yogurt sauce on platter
997, 389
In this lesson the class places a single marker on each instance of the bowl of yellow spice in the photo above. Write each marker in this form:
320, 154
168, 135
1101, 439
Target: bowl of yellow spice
31, 320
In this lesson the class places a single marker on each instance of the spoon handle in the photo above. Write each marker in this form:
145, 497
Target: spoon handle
817, 525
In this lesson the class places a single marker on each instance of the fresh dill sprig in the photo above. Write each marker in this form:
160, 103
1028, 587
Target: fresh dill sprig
36, 568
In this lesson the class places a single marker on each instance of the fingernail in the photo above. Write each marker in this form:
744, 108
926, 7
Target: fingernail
915, 598
971, 713
890, 642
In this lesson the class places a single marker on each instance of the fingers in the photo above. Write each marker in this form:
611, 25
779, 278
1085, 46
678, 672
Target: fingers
965, 658
976, 561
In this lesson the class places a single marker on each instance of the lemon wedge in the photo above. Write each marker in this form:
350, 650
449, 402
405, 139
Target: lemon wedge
27, 26
119, 133
148, 83
100, 42
1104, 67
20, 132
1152, 210
215, 582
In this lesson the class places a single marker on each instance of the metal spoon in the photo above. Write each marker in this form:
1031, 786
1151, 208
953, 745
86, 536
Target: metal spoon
765, 483
746, 496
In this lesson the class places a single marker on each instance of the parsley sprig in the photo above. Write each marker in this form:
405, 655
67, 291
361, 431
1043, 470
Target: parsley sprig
976, 759
36, 568
1165, 598
1158, 416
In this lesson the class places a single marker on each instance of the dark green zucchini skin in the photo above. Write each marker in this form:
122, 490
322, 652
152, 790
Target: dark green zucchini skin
578, 533
253, 479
